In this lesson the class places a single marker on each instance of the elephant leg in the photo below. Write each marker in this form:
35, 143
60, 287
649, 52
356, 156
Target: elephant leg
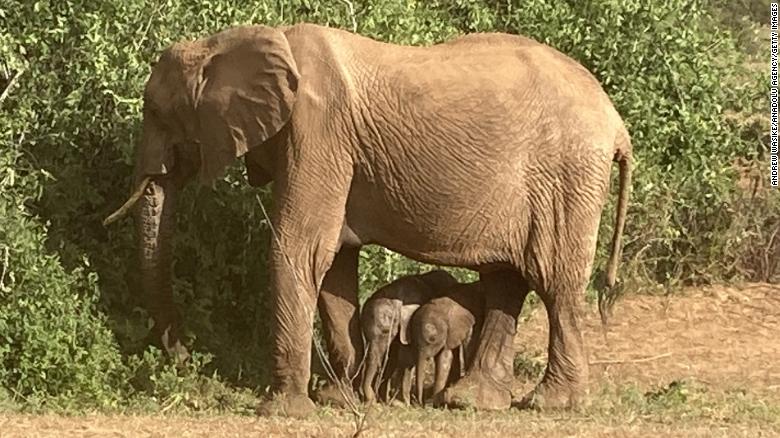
405, 363
456, 370
406, 385
301, 253
442, 372
392, 366
488, 380
338, 307
395, 383
370, 370
419, 383
386, 390
565, 379
385, 384
460, 360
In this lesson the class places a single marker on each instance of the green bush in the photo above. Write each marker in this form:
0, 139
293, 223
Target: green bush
72, 323
55, 348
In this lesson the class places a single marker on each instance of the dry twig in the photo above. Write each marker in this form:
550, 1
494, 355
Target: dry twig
10, 85
5, 268
638, 360
351, 8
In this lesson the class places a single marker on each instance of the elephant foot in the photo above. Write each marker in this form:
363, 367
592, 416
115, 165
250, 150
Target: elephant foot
437, 400
397, 403
336, 395
369, 397
550, 396
287, 405
478, 392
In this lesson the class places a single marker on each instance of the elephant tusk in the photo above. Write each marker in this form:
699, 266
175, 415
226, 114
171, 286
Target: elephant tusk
122, 211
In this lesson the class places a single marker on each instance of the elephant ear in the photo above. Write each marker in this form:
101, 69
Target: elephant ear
243, 94
407, 311
461, 326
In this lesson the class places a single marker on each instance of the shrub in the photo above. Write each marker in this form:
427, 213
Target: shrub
55, 347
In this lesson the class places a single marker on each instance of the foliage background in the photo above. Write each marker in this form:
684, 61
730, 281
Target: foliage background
683, 73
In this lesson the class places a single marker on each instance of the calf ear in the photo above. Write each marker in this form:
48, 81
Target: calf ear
406, 316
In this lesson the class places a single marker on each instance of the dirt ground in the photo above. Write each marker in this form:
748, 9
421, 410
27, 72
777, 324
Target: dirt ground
704, 363
727, 338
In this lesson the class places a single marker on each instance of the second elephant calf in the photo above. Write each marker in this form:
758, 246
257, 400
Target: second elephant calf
442, 326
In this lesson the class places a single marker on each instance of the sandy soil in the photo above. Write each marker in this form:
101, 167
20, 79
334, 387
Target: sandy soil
727, 338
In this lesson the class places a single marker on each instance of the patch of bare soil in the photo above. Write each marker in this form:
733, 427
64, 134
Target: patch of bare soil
727, 338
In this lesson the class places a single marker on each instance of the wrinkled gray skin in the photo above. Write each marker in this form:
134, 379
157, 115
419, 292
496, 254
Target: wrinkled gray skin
385, 321
442, 330
490, 152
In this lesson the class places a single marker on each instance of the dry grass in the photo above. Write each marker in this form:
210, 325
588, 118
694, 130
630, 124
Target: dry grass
388, 422
702, 364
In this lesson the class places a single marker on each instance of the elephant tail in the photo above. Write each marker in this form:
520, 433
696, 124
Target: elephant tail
607, 292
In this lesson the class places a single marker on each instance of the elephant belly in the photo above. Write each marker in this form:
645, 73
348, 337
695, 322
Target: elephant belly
434, 228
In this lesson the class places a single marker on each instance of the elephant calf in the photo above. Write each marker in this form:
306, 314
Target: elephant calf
440, 327
385, 321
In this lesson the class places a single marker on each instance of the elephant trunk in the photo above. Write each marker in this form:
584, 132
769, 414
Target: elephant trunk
420, 377
155, 222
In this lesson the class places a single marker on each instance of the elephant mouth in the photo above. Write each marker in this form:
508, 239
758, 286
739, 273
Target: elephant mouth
125, 208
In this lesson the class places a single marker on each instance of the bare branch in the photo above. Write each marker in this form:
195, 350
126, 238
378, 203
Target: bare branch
769, 248
351, 14
5, 268
621, 361
10, 85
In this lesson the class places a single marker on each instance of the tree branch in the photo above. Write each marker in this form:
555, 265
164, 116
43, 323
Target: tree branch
639, 360
351, 14
10, 85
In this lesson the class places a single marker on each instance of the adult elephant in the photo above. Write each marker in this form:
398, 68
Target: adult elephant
491, 152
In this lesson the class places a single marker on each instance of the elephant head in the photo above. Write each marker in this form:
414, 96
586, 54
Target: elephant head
225, 95
206, 103
433, 284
